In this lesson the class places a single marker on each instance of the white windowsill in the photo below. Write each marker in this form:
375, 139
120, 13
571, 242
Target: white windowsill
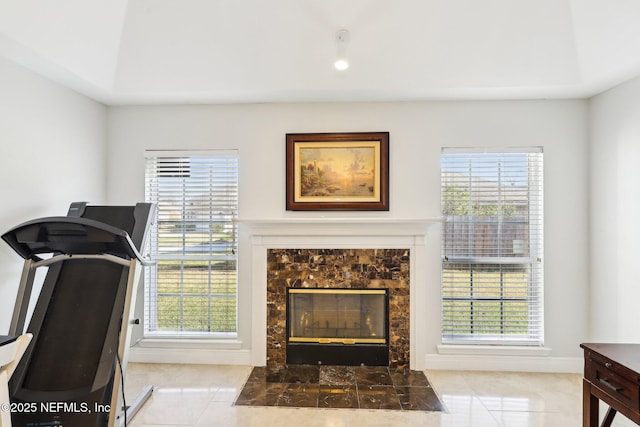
189, 344
493, 350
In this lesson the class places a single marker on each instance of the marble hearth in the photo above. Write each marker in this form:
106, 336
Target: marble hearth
352, 387
336, 253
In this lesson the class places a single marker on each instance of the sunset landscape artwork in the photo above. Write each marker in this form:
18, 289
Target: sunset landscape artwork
337, 171
344, 171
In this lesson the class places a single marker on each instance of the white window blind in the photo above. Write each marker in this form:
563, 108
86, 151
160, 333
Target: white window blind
492, 241
192, 287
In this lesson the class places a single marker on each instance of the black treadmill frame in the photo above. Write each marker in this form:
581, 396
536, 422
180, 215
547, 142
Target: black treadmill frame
72, 239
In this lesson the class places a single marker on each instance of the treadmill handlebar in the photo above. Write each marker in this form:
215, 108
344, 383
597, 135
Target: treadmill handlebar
71, 236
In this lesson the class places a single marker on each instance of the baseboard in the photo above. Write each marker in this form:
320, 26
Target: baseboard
456, 362
479, 362
198, 356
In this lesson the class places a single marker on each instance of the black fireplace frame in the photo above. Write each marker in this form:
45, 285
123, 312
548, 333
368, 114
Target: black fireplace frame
332, 353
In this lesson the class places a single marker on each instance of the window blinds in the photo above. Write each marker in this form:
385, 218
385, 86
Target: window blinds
492, 278
192, 288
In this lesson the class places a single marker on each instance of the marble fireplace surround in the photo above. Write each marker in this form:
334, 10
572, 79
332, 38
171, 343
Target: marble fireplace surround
398, 237
329, 268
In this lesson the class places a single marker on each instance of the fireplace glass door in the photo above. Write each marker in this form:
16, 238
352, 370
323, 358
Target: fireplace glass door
337, 316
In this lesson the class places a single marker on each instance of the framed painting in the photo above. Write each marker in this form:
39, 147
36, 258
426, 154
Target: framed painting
337, 171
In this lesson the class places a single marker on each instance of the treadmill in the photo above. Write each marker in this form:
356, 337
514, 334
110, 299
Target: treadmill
71, 373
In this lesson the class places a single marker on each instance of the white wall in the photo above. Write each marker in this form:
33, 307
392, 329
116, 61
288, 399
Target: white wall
615, 213
417, 133
54, 144
53, 147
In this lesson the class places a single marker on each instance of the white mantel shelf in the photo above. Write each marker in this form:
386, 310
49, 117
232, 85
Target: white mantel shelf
336, 220
334, 226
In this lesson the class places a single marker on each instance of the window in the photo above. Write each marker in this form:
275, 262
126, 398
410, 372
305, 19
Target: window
492, 278
192, 287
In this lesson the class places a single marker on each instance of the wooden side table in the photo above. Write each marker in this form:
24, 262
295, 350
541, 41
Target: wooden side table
611, 374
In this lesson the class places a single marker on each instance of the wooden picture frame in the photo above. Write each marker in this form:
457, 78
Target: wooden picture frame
337, 171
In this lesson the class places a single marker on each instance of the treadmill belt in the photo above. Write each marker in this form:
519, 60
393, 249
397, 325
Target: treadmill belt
66, 355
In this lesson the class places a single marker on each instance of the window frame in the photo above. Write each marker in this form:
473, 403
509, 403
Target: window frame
494, 262
209, 180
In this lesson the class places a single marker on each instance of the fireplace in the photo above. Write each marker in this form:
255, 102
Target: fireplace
364, 253
375, 282
337, 326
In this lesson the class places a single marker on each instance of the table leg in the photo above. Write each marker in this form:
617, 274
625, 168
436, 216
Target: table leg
608, 418
589, 406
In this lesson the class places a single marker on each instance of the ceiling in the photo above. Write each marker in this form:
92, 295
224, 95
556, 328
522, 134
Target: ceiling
123, 52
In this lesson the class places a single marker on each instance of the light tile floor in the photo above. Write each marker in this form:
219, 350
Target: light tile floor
203, 396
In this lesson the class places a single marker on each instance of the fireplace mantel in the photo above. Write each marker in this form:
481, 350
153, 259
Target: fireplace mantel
334, 226
334, 232
340, 220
